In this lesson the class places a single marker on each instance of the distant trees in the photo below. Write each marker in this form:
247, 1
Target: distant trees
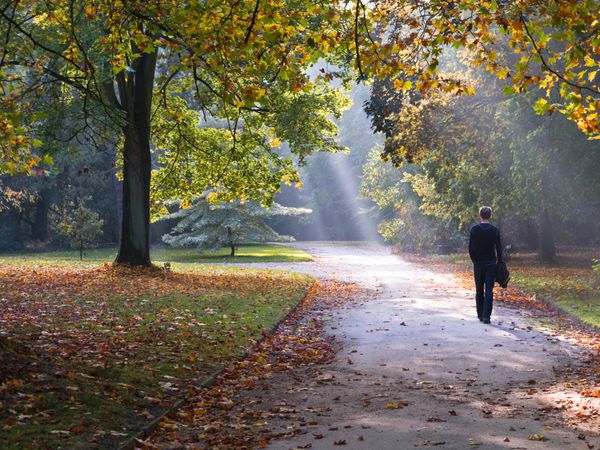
36, 203
453, 154
213, 226
331, 183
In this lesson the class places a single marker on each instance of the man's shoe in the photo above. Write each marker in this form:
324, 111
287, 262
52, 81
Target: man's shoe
486, 321
481, 319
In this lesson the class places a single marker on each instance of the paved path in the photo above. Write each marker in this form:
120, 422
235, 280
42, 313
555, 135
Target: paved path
459, 384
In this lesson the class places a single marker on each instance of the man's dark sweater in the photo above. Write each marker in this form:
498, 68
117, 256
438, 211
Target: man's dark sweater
484, 239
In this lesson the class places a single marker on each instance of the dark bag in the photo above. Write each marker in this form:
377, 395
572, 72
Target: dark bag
502, 275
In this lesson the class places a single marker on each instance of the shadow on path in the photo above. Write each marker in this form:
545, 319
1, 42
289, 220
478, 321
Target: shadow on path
418, 369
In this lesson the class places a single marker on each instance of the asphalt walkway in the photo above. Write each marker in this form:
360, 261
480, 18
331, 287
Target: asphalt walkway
418, 369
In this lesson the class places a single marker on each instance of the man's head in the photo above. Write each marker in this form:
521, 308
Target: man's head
485, 212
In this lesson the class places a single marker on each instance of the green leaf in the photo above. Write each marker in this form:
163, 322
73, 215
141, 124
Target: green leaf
541, 106
48, 160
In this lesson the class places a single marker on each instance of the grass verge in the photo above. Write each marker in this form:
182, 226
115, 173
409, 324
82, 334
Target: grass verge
90, 356
246, 254
568, 282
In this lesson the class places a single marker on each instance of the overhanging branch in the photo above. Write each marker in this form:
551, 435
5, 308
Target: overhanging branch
547, 66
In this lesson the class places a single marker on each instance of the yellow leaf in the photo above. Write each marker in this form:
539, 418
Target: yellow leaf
399, 405
589, 61
502, 73
537, 437
275, 142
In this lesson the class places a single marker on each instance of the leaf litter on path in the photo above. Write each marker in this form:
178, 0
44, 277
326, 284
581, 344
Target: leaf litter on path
299, 341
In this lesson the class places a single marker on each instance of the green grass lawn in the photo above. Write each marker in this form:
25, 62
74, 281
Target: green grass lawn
569, 281
246, 254
89, 356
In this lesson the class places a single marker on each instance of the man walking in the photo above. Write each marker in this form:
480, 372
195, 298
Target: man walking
485, 251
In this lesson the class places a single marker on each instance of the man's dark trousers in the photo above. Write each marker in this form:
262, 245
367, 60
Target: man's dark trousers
485, 276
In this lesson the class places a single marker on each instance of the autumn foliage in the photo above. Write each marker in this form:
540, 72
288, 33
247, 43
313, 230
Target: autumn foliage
221, 416
93, 355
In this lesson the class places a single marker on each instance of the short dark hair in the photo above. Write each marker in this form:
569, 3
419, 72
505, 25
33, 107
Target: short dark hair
485, 212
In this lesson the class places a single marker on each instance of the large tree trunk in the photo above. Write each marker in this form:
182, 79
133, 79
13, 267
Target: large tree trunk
135, 228
547, 246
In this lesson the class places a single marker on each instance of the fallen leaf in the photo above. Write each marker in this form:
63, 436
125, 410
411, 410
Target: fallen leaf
435, 419
537, 437
117, 433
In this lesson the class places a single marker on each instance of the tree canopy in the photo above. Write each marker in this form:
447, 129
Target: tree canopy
452, 154
134, 65
131, 67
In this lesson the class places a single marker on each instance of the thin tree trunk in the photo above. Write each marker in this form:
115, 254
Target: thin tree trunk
40, 225
547, 245
231, 243
135, 228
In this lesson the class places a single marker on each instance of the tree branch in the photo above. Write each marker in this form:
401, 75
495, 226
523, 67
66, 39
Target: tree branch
547, 66
356, 39
70, 81
252, 22
35, 42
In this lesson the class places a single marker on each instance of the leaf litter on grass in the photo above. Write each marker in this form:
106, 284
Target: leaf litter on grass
223, 416
88, 356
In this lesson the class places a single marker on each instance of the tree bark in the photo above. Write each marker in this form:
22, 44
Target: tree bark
118, 199
134, 247
547, 245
